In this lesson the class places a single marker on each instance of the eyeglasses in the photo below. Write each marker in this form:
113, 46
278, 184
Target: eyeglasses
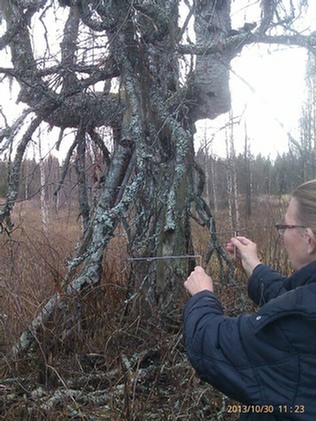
281, 228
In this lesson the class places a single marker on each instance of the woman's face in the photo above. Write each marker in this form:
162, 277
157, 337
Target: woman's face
296, 239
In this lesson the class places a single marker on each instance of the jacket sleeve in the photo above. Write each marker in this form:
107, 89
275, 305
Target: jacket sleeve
215, 348
265, 284
237, 355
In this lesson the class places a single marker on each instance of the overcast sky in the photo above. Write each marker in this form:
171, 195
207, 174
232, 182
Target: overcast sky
268, 90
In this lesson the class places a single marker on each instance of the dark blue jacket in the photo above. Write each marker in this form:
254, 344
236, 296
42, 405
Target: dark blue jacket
265, 358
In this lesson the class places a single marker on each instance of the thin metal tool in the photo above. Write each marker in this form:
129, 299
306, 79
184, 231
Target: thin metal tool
151, 258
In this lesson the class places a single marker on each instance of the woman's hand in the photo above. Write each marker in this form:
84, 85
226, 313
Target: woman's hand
246, 251
198, 281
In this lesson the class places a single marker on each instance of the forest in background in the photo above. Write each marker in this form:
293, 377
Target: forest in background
255, 176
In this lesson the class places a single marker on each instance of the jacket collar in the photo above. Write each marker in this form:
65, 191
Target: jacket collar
304, 276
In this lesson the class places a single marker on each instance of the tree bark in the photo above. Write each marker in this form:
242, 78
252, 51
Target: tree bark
211, 76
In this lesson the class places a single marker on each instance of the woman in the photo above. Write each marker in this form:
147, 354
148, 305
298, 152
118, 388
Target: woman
265, 360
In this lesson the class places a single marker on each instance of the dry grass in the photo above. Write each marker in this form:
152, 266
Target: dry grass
33, 262
111, 364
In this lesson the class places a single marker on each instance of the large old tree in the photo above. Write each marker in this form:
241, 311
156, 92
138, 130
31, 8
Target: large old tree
148, 70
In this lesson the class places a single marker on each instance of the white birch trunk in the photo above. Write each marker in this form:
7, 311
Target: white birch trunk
229, 186
43, 201
234, 173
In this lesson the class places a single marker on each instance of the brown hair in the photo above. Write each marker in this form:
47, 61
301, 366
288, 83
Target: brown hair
305, 194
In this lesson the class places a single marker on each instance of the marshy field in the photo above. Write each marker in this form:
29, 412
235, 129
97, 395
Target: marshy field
114, 361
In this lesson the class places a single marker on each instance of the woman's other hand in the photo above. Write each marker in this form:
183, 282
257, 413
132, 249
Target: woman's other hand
198, 281
246, 252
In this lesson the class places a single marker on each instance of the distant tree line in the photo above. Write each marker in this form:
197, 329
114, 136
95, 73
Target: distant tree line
255, 175
59, 189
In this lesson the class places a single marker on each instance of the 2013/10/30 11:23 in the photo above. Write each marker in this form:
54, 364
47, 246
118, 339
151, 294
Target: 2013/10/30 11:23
265, 409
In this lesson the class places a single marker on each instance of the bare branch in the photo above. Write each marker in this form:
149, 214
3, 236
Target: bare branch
66, 166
